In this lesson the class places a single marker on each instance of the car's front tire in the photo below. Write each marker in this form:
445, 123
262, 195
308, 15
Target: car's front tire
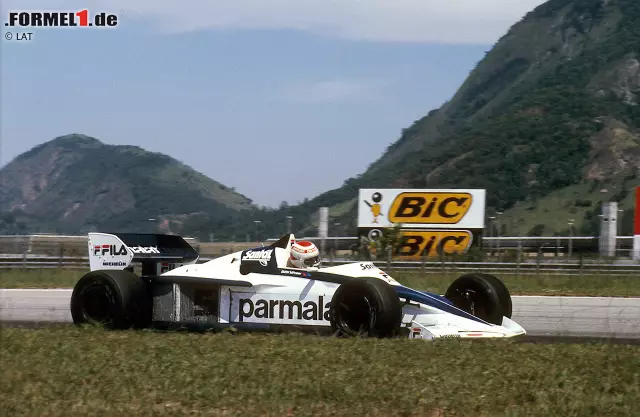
482, 295
366, 307
111, 298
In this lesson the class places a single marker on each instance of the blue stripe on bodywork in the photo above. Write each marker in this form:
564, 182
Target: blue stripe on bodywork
438, 296
434, 300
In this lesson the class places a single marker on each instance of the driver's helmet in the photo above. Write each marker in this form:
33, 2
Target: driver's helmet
304, 254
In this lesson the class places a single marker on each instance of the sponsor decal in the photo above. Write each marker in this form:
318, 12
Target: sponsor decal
432, 242
263, 256
429, 207
107, 252
367, 265
280, 310
295, 273
167, 266
450, 336
388, 278
118, 263
113, 250
144, 249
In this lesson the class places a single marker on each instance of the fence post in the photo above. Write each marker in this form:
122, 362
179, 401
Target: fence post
580, 263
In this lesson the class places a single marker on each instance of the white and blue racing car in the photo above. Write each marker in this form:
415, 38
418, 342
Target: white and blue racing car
255, 290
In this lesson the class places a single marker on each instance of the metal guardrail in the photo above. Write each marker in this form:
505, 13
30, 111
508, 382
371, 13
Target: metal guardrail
28, 243
527, 267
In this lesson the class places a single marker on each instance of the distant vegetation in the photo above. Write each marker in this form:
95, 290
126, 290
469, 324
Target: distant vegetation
75, 184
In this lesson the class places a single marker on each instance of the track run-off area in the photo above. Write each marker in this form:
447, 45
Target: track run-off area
541, 316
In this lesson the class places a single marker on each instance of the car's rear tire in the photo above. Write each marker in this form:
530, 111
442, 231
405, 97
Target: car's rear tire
366, 307
111, 298
483, 295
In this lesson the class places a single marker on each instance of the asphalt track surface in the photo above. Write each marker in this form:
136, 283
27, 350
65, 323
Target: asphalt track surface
543, 317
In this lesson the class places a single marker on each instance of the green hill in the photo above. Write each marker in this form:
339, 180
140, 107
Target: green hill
74, 184
548, 122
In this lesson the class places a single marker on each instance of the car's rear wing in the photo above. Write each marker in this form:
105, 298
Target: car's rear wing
156, 252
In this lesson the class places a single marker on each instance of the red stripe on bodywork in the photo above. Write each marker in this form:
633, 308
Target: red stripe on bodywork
636, 217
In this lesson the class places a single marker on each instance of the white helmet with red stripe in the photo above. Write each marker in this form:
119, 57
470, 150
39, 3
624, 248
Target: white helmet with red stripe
304, 254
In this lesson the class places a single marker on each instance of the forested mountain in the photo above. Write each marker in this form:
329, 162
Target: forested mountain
548, 122
75, 183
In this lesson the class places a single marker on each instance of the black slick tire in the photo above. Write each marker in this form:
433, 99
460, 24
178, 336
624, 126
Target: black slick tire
114, 299
482, 295
503, 293
365, 307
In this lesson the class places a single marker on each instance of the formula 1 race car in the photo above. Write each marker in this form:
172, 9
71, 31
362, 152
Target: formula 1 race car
255, 290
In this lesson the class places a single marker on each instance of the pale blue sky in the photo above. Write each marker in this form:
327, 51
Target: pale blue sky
281, 103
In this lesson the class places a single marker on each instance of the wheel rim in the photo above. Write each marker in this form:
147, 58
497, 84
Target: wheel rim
356, 315
471, 302
96, 304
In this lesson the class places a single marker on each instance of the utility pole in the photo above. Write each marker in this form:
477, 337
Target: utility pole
257, 222
289, 224
154, 227
571, 236
498, 214
491, 218
335, 241
619, 225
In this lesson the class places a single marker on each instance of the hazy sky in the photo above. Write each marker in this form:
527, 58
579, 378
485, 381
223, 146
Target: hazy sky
281, 99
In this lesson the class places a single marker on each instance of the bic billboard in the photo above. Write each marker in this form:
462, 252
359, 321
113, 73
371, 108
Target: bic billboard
433, 220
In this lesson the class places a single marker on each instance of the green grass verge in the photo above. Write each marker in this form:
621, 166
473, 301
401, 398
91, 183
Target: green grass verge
40, 278
532, 284
74, 371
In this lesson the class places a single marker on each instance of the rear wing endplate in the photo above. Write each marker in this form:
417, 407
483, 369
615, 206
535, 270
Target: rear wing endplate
119, 250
